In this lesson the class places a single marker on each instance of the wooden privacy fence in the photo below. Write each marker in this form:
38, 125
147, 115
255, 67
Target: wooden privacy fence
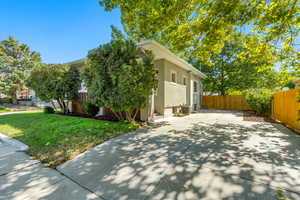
229, 102
285, 108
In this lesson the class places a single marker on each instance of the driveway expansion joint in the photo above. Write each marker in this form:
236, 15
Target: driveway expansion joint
77, 183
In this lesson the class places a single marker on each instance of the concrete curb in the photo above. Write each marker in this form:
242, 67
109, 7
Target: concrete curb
15, 143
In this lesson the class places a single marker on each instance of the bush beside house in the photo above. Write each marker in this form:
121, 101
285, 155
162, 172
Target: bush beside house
90, 108
120, 76
49, 110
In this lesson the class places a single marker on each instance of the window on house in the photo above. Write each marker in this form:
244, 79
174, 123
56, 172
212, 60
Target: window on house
184, 81
173, 77
195, 86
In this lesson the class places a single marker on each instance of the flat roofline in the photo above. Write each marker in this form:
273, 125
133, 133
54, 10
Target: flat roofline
183, 62
161, 47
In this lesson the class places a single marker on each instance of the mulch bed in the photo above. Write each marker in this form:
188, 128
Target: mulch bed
107, 118
103, 117
252, 116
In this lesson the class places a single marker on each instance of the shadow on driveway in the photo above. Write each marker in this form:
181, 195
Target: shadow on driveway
202, 160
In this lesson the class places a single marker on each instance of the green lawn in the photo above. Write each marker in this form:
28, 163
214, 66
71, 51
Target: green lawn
54, 138
3, 110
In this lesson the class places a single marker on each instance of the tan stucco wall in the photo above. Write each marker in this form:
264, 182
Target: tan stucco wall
171, 94
159, 96
172, 67
175, 93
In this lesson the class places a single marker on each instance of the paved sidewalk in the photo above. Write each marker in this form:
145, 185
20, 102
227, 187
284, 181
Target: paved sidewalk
15, 112
22, 178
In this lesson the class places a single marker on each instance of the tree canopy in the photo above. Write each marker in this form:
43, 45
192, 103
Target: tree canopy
202, 27
59, 82
120, 76
16, 61
237, 68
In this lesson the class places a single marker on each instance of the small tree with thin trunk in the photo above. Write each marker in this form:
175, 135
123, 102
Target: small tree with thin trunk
16, 61
120, 76
55, 82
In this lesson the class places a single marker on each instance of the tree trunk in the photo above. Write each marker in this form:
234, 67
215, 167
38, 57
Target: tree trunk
14, 97
65, 106
128, 116
53, 104
135, 113
60, 104
117, 115
121, 115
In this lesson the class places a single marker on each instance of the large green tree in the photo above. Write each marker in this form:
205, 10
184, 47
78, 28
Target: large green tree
55, 82
120, 76
202, 26
238, 68
16, 61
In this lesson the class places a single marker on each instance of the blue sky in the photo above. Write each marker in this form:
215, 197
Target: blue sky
61, 31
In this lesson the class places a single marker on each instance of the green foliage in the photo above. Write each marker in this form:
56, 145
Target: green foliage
5, 100
54, 139
16, 60
3, 110
120, 76
236, 68
234, 92
90, 108
59, 82
260, 100
201, 27
48, 110
290, 85
280, 195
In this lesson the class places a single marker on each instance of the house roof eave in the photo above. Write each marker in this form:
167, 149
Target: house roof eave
150, 44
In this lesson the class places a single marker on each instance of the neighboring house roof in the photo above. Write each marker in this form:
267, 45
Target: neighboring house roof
77, 63
160, 52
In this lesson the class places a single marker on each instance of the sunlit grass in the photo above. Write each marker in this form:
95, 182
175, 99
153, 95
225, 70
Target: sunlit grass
54, 138
3, 110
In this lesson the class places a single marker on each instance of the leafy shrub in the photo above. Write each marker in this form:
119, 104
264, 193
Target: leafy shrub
124, 82
5, 100
49, 110
260, 101
90, 108
290, 85
59, 82
280, 195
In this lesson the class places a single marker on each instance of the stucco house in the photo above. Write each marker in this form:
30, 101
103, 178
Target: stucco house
179, 83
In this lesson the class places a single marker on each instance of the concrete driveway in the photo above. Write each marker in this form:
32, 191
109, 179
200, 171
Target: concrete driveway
209, 155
